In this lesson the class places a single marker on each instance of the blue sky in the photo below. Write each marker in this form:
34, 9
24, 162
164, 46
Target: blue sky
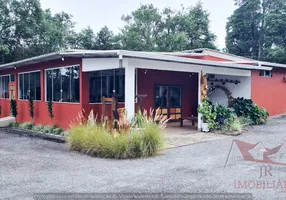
98, 13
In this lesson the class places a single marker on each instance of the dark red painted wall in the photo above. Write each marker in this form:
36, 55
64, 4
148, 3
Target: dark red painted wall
147, 82
64, 112
146, 85
270, 93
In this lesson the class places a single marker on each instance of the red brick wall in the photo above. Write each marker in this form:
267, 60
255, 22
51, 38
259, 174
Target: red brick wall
270, 93
64, 112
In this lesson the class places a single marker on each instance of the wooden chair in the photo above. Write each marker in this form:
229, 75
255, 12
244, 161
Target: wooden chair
113, 114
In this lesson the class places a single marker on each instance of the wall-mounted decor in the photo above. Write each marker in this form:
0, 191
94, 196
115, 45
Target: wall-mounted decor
223, 88
213, 80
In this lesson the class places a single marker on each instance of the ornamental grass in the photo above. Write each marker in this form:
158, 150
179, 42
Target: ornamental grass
127, 140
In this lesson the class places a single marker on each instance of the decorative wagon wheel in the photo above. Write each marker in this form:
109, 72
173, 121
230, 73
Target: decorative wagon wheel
223, 88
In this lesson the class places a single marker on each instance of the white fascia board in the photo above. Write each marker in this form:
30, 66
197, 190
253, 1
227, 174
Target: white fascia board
175, 59
184, 67
96, 64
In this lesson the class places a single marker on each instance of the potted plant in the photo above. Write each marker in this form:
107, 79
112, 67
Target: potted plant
208, 115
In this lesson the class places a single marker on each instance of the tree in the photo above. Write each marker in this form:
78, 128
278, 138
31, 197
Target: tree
148, 29
257, 29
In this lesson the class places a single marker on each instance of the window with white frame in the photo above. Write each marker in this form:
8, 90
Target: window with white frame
4, 86
62, 84
108, 83
29, 85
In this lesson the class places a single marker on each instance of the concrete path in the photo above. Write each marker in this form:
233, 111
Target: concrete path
29, 166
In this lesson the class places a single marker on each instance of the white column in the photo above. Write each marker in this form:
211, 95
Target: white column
130, 90
199, 100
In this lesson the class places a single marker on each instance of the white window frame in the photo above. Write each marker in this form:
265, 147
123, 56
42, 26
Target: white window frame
136, 88
18, 76
264, 73
8, 85
68, 66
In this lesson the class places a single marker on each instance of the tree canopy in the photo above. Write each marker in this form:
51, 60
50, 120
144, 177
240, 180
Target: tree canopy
28, 30
257, 29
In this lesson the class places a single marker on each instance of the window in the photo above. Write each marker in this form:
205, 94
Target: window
265, 73
4, 87
12, 77
62, 84
107, 83
29, 86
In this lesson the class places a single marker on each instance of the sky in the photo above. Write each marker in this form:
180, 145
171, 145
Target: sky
99, 13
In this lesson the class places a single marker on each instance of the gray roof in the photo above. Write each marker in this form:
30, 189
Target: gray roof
124, 53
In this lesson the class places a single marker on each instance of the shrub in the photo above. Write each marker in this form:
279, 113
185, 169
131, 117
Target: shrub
208, 114
38, 128
27, 125
47, 129
247, 109
14, 125
50, 109
31, 108
13, 108
234, 125
223, 115
58, 131
97, 139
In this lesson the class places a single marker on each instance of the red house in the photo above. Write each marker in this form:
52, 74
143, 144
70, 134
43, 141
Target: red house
78, 79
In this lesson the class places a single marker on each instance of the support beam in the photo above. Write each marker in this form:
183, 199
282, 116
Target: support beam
199, 100
130, 90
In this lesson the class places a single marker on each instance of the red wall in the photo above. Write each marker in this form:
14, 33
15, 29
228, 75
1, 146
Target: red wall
270, 93
147, 82
146, 85
63, 112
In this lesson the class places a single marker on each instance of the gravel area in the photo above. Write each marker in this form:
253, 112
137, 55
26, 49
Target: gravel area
30, 165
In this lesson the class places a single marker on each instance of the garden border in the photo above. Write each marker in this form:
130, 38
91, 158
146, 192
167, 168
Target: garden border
30, 133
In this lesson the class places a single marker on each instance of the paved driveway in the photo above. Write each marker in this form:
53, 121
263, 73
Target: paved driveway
29, 166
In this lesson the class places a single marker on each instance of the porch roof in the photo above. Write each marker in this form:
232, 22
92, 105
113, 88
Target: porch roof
129, 54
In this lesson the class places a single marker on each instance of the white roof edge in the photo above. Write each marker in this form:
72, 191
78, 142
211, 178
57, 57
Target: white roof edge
169, 58
135, 54
261, 63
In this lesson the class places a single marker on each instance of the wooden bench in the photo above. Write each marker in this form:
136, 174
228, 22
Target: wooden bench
193, 119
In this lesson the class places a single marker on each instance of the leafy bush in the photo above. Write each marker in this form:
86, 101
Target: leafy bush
48, 129
247, 109
208, 114
27, 125
38, 128
58, 131
97, 139
14, 125
13, 108
233, 125
223, 115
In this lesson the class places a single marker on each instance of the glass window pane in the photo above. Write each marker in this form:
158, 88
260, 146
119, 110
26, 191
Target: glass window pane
26, 90
66, 73
120, 84
57, 76
21, 86
95, 87
32, 85
175, 96
74, 87
38, 86
161, 96
49, 85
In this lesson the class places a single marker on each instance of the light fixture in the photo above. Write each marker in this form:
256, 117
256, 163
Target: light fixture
15, 67
63, 59
145, 71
